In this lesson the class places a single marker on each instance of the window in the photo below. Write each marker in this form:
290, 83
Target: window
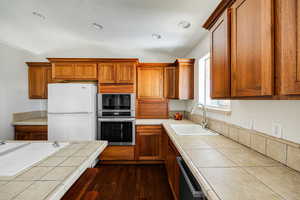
204, 86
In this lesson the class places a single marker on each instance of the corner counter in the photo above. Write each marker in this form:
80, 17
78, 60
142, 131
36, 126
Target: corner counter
51, 178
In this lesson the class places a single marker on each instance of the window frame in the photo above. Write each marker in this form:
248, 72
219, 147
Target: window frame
204, 85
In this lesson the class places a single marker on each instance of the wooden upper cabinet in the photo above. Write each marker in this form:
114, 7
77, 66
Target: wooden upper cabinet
63, 70
74, 71
179, 79
288, 46
220, 57
106, 73
252, 72
39, 75
184, 78
125, 73
170, 82
117, 73
150, 82
86, 71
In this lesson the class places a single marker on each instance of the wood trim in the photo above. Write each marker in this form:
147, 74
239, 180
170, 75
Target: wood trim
93, 59
185, 61
155, 64
116, 88
223, 5
38, 64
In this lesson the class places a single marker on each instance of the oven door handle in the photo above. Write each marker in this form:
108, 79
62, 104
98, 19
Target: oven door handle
116, 119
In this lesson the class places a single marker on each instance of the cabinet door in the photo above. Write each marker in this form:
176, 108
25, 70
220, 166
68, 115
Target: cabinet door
87, 71
37, 78
125, 73
252, 48
220, 57
170, 82
173, 170
288, 46
150, 82
63, 71
185, 80
149, 143
106, 73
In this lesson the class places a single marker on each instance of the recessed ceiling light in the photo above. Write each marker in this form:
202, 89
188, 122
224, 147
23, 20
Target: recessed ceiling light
184, 24
156, 36
40, 15
97, 26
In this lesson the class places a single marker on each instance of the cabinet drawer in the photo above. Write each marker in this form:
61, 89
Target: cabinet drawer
149, 128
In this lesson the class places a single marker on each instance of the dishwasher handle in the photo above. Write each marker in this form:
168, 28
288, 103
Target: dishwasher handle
195, 192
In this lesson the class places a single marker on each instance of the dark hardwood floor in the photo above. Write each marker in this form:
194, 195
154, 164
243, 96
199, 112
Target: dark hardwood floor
122, 182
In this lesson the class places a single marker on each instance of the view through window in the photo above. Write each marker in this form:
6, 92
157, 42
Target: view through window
204, 86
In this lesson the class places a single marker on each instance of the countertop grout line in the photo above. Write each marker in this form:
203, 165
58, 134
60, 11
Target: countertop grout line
181, 150
240, 166
279, 195
93, 148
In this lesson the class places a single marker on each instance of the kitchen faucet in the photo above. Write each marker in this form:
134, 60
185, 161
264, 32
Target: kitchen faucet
204, 121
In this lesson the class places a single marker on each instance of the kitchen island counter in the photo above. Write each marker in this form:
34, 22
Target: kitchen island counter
51, 178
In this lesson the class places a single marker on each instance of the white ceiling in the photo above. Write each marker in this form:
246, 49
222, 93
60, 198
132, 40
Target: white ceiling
128, 24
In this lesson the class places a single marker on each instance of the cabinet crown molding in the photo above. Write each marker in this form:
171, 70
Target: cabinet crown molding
38, 64
185, 60
53, 60
223, 5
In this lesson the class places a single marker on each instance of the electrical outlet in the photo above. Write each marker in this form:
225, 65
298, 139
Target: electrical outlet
277, 130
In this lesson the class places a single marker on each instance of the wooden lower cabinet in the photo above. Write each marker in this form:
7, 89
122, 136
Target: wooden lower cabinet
149, 142
31, 133
172, 168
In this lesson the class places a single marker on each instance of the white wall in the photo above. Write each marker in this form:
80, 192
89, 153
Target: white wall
263, 112
96, 51
14, 87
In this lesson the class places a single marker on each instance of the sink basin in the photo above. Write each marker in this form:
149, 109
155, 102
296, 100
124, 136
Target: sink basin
190, 129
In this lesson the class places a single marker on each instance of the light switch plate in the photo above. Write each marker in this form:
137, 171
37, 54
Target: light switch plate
277, 130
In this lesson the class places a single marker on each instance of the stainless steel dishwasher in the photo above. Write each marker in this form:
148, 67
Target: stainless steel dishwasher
189, 188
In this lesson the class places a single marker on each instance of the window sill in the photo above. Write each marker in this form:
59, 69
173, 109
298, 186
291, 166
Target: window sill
218, 110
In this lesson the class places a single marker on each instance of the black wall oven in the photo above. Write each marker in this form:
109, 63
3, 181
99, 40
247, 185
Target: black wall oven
116, 118
116, 105
117, 131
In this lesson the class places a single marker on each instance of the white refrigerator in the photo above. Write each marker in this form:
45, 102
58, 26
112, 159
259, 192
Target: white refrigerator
72, 111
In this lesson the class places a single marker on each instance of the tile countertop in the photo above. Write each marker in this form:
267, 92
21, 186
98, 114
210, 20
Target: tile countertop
51, 178
227, 170
43, 121
32, 122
